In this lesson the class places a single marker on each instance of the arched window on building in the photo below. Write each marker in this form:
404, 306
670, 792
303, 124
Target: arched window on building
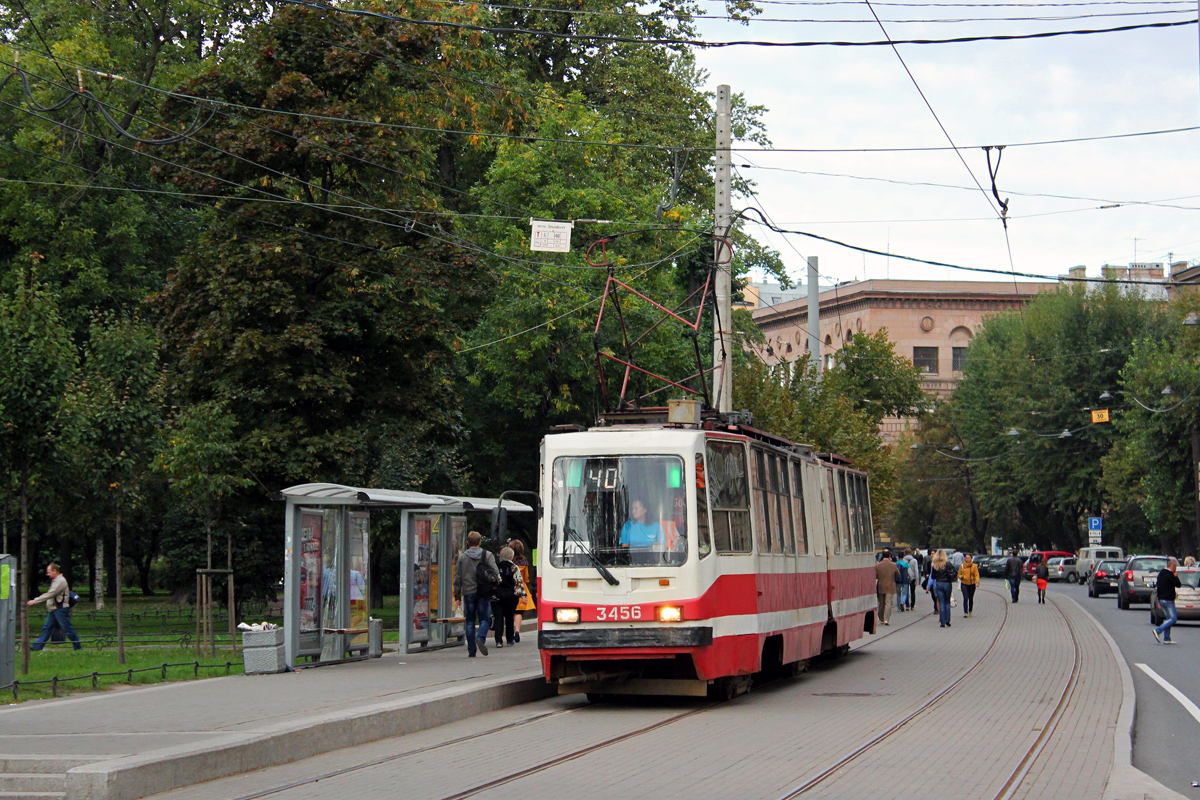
960, 341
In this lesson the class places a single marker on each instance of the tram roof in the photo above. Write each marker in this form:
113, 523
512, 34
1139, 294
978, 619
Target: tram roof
337, 494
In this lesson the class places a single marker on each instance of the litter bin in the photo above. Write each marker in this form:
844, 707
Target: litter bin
375, 638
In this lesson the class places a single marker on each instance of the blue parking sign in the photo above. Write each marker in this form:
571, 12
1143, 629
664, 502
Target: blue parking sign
1094, 523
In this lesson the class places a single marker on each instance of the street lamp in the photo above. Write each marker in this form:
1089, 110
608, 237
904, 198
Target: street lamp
1066, 434
1168, 391
1191, 319
1104, 398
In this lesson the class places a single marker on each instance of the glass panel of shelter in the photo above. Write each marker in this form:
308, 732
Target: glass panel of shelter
798, 510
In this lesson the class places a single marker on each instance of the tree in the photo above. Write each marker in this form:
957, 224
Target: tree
37, 362
876, 380
117, 401
1030, 377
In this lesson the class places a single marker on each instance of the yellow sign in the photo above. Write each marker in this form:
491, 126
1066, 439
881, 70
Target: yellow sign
1099, 415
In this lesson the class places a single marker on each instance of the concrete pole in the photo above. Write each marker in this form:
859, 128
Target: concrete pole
722, 292
814, 315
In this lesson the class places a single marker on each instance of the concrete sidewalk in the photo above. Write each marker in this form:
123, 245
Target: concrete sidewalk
129, 743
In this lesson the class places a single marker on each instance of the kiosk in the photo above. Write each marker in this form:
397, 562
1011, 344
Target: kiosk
326, 587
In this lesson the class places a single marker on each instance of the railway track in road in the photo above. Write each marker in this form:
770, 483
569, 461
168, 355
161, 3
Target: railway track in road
1018, 775
805, 785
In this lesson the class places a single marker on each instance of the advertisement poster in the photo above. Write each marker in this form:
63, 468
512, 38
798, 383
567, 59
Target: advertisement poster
311, 526
422, 539
359, 553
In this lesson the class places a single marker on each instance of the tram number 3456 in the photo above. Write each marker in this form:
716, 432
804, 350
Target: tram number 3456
605, 613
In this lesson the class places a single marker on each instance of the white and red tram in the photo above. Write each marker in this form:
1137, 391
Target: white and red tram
676, 560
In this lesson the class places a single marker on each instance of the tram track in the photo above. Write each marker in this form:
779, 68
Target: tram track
1013, 784
1007, 792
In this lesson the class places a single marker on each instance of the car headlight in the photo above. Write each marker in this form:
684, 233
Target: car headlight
566, 615
669, 614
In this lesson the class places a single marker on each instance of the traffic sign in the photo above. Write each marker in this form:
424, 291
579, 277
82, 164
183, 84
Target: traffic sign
1095, 524
1099, 415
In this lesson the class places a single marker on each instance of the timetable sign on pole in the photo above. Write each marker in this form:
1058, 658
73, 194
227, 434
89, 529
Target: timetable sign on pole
550, 237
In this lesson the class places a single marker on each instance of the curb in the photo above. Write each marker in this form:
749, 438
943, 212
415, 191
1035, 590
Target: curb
141, 775
1125, 781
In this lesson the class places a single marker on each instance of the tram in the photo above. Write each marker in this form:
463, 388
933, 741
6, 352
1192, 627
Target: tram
683, 559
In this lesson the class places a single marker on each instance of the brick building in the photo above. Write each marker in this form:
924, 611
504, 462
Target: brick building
930, 322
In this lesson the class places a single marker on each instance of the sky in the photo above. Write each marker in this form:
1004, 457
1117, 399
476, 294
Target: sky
984, 93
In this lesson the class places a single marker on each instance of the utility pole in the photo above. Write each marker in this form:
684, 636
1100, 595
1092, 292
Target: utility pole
814, 315
723, 254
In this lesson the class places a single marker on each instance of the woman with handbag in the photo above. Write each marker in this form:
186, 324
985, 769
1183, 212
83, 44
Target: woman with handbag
525, 603
968, 576
944, 575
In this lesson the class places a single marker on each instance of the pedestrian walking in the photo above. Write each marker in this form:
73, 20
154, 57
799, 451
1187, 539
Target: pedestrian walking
525, 603
956, 559
1012, 575
944, 575
58, 609
508, 591
886, 575
1189, 562
475, 578
901, 583
1166, 585
914, 576
968, 577
1042, 574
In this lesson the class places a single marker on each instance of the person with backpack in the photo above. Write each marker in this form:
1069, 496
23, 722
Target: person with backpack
476, 577
58, 599
508, 592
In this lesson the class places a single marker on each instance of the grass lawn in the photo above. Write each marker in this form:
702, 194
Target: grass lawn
61, 661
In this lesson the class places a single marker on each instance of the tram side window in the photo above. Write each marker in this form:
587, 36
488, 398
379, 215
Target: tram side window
833, 514
847, 533
762, 513
728, 496
864, 496
798, 508
703, 538
783, 502
856, 542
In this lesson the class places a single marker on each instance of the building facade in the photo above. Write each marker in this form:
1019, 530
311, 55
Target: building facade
929, 322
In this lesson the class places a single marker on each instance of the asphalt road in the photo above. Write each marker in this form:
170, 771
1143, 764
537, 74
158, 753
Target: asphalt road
1166, 742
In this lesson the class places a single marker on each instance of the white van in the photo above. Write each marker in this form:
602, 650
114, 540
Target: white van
1088, 557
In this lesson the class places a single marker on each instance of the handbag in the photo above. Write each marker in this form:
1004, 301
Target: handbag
953, 601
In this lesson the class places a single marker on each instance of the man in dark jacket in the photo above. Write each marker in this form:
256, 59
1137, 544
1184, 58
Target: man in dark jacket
1166, 585
476, 602
1012, 573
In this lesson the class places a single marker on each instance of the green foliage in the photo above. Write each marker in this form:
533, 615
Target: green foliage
877, 381
797, 402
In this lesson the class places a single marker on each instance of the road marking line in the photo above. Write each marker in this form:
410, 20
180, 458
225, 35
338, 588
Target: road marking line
1183, 699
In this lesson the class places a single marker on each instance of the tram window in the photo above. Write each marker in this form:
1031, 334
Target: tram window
842, 510
852, 512
833, 514
703, 539
868, 523
728, 496
762, 514
798, 514
784, 499
618, 510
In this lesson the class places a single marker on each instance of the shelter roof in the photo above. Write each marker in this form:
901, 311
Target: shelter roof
337, 494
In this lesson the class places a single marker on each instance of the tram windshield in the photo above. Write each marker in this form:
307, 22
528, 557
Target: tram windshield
618, 511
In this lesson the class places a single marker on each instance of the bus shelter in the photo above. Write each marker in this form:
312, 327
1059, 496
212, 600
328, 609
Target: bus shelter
326, 586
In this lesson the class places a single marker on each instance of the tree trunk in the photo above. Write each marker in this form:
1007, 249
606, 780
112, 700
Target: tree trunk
144, 577
98, 574
117, 573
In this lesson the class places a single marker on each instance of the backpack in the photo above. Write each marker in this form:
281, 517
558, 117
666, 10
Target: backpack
485, 585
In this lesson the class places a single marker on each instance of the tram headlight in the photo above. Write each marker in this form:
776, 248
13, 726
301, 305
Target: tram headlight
566, 615
669, 614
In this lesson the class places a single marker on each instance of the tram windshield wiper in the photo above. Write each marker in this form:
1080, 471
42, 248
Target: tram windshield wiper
573, 534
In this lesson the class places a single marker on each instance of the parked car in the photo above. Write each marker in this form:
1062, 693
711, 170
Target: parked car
1062, 568
1037, 556
1104, 578
996, 566
1088, 557
1138, 578
1187, 597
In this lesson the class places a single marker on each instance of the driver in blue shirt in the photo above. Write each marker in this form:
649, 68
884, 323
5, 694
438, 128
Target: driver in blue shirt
637, 532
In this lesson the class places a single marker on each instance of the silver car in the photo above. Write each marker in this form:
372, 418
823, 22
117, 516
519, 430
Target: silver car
1187, 597
1138, 579
1062, 569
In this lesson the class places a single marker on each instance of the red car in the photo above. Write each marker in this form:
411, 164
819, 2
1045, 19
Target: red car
1041, 556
